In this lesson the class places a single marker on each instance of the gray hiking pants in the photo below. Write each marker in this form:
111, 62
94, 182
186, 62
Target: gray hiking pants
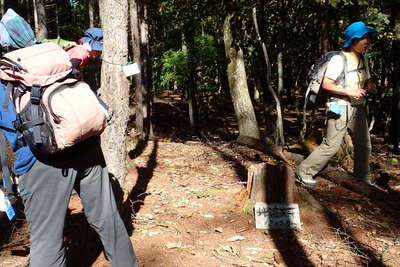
46, 190
353, 119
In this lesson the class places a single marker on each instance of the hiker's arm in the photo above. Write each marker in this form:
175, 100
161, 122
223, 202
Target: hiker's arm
331, 87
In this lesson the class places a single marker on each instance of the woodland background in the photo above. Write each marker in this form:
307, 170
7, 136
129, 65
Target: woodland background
254, 55
216, 75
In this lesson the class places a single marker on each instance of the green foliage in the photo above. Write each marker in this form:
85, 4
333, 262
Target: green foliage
174, 69
208, 57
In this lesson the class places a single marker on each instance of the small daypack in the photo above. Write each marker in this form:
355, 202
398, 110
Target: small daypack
54, 112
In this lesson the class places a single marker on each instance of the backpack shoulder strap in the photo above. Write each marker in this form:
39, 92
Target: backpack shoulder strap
342, 77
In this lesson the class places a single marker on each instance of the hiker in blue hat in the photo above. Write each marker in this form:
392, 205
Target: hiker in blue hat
347, 83
89, 47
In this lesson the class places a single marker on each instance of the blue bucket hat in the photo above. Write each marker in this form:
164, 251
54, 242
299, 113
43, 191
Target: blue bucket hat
93, 36
356, 30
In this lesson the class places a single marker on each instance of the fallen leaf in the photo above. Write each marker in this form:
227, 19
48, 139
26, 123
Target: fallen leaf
236, 238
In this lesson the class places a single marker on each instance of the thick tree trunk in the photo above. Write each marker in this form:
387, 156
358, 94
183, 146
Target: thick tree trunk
240, 95
115, 86
350, 182
40, 19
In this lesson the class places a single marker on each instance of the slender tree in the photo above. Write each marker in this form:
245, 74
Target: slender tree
395, 122
139, 17
241, 100
40, 19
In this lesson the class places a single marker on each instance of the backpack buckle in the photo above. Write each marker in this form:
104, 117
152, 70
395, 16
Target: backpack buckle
36, 94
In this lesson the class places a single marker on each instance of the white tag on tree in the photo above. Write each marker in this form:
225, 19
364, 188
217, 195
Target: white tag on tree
131, 69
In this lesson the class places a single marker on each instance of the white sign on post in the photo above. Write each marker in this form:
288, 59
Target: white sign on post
277, 216
131, 69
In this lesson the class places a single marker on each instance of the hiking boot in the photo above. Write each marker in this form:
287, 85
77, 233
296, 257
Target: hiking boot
305, 181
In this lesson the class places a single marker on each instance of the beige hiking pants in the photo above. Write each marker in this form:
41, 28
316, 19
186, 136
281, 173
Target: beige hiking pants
353, 119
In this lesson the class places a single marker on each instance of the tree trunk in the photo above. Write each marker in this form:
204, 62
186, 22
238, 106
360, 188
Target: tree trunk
280, 74
40, 19
279, 120
57, 20
395, 122
325, 27
2, 7
136, 49
350, 182
191, 87
241, 100
91, 12
115, 86
141, 53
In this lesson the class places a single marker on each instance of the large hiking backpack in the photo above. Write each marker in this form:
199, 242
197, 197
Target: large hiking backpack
314, 95
54, 112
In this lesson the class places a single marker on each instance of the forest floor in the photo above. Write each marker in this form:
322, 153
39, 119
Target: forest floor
184, 207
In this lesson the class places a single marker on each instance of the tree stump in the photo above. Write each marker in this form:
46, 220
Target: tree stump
271, 183
271, 191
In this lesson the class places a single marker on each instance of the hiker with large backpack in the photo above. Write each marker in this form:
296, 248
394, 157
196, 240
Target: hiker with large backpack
345, 83
56, 153
89, 47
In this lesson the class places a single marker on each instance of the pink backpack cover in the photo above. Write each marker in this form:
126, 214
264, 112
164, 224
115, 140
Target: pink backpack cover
69, 111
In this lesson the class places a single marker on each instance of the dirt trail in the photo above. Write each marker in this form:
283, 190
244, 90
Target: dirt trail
185, 210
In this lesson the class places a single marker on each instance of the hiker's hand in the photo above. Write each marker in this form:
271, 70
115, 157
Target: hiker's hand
358, 93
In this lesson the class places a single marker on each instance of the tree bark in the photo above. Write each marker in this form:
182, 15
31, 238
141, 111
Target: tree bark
350, 182
191, 86
115, 86
2, 7
141, 54
240, 95
325, 27
395, 114
91, 12
279, 120
40, 19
